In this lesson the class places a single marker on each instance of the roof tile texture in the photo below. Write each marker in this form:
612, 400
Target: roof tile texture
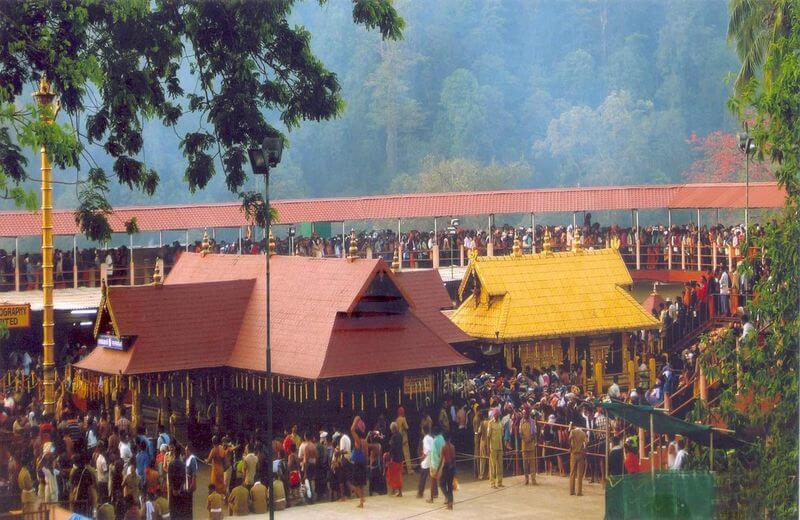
540, 296
418, 205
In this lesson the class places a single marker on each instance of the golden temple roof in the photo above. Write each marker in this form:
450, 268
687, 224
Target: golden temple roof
548, 295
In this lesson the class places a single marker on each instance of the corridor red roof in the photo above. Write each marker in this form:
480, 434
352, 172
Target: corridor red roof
419, 205
318, 329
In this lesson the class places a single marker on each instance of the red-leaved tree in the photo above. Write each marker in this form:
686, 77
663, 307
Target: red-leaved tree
720, 160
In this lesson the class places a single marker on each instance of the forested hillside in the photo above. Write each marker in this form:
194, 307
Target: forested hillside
505, 93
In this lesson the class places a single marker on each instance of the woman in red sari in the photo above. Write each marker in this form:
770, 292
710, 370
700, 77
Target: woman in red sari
394, 462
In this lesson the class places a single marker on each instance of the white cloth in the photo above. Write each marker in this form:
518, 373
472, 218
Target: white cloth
680, 460
613, 391
101, 465
125, 452
345, 444
724, 283
747, 329
427, 447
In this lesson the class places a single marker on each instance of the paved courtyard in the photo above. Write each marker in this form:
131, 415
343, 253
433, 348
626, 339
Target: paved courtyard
474, 500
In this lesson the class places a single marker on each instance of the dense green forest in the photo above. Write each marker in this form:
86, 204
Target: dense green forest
512, 93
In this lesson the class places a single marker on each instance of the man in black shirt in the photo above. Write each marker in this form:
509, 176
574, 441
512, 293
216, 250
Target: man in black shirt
176, 474
616, 458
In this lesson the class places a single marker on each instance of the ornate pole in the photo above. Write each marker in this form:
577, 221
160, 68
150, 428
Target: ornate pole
48, 108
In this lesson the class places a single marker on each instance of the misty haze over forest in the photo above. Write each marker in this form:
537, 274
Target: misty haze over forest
489, 94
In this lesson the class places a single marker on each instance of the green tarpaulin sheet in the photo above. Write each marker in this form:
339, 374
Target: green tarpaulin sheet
675, 495
665, 423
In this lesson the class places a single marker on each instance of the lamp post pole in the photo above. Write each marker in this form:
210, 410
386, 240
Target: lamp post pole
48, 108
261, 159
746, 145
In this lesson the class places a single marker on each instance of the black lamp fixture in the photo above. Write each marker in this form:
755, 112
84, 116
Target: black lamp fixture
267, 156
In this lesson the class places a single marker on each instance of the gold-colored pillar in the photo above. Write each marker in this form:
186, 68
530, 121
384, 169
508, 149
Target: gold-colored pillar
573, 355
48, 108
701, 383
631, 374
598, 376
136, 407
626, 342
651, 363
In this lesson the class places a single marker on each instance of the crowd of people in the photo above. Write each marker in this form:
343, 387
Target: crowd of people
657, 244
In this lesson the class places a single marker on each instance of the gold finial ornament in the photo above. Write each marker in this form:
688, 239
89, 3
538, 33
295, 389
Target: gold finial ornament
352, 252
46, 99
272, 246
546, 242
206, 244
472, 254
396, 258
516, 249
576, 240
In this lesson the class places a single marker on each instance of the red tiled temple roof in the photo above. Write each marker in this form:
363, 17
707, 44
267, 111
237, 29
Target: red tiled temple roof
172, 327
420, 205
315, 333
430, 299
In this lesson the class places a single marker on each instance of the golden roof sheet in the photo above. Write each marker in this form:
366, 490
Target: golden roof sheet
549, 295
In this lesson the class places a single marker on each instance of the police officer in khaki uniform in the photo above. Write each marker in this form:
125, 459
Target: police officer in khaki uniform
527, 430
577, 458
495, 438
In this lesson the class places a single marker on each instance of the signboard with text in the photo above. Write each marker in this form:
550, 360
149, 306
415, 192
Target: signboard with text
421, 384
111, 342
15, 316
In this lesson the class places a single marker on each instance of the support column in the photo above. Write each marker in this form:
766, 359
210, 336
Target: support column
136, 407
638, 243
683, 255
598, 376
75, 261
574, 221
699, 244
240, 239
461, 255
573, 355
131, 263
533, 233
435, 249
16, 264
218, 409
187, 240
161, 238
669, 239
399, 254
344, 252
490, 237
714, 255
626, 341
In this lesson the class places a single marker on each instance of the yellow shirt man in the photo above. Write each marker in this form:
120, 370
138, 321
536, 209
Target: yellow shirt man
258, 498
239, 501
495, 438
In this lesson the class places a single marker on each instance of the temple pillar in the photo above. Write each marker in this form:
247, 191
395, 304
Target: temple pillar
584, 377
136, 407
713, 256
598, 376
490, 237
461, 255
218, 409
651, 363
572, 354
626, 341
163, 411
369, 252
399, 255
435, 256
642, 441
631, 368
683, 256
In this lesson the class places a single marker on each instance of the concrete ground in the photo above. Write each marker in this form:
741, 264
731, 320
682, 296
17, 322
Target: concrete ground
474, 500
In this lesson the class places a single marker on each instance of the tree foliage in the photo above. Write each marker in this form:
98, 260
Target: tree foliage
762, 479
117, 64
720, 160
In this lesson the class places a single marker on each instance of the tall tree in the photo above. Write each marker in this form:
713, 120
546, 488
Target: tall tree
761, 478
116, 63
720, 160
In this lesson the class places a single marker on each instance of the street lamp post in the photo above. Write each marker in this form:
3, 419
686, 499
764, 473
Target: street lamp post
747, 146
453, 232
49, 105
261, 160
